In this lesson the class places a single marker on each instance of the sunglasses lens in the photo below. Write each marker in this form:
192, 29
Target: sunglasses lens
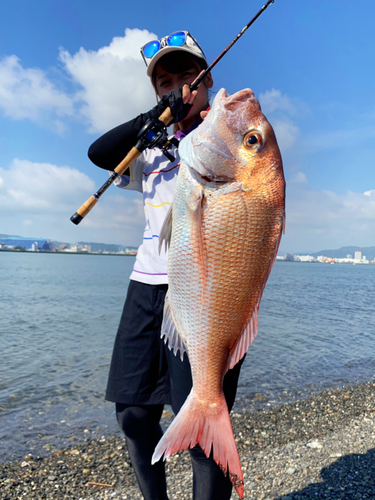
151, 48
177, 39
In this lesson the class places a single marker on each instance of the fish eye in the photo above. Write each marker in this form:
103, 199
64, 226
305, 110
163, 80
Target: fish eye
252, 139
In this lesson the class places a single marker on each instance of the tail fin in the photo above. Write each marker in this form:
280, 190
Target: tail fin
210, 428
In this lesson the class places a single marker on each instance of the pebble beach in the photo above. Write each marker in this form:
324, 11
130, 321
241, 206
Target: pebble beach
321, 447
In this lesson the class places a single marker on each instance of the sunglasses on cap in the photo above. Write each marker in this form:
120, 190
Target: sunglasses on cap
179, 40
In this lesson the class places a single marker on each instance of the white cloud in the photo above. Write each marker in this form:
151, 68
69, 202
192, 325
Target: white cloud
28, 93
110, 86
119, 213
113, 83
298, 178
286, 133
38, 199
279, 108
273, 100
316, 220
34, 187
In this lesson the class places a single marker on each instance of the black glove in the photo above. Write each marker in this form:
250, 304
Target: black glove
112, 147
174, 101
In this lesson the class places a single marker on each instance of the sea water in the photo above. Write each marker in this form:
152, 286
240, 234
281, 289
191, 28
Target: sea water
59, 316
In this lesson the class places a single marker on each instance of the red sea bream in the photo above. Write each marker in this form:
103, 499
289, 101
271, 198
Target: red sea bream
224, 230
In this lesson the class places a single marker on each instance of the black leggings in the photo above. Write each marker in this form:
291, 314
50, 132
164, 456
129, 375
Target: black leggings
140, 424
142, 430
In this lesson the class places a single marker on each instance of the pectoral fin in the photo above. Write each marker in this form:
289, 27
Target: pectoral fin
166, 230
197, 232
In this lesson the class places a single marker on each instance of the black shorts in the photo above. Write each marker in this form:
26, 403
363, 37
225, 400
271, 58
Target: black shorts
139, 370
143, 370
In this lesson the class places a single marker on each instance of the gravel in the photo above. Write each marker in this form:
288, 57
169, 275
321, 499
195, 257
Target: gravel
322, 447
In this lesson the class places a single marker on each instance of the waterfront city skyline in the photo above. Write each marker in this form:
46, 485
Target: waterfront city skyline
341, 255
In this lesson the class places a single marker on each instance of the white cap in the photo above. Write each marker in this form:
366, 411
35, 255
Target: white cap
191, 46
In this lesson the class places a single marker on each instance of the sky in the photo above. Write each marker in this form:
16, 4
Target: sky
70, 70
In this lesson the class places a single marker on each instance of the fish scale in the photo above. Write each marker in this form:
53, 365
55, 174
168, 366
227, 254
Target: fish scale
225, 223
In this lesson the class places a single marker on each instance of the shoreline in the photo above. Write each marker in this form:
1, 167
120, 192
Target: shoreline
67, 253
322, 446
372, 262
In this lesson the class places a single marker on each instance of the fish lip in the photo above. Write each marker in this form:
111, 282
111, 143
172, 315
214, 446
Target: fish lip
213, 179
209, 177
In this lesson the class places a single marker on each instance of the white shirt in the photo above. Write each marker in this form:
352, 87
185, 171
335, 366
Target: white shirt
155, 176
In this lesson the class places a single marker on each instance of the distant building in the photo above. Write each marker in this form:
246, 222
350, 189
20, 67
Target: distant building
27, 243
358, 256
289, 257
345, 260
305, 258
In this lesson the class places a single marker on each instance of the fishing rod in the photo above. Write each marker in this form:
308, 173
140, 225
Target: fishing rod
154, 133
195, 84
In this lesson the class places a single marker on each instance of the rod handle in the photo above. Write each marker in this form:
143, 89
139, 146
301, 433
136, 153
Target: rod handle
84, 210
166, 116
128, 160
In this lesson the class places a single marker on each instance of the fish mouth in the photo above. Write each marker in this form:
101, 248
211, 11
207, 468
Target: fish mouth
206, 176
212, 179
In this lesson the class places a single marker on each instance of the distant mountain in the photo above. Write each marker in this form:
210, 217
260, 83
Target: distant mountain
342, 252
17, 236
